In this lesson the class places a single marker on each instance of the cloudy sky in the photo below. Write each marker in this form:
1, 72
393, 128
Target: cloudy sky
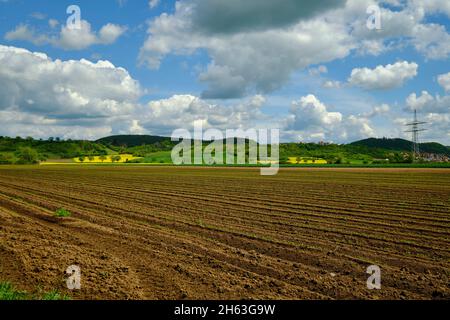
313, 69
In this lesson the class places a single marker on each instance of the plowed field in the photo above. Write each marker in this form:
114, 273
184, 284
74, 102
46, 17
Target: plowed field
222, 233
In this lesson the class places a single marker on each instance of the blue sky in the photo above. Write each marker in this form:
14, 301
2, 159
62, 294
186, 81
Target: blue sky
134, 14
316, 72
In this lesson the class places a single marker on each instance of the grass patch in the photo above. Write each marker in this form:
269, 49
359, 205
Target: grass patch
62, 213
9, 292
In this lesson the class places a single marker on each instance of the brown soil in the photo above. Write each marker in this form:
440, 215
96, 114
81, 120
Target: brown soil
220, 233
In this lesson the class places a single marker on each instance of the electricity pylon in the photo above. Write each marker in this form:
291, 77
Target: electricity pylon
415, 129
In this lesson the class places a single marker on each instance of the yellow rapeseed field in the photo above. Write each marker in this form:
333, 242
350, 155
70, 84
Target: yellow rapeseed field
108, 159
295, 160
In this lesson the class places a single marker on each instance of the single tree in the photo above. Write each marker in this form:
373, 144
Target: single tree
27, 155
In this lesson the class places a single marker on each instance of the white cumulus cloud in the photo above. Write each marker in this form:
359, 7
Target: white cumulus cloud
428, 103
244, 62
68, 39
63, 94
384, 77
181, 111
310, 120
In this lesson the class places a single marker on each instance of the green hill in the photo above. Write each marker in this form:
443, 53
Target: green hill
131, 140
13, 150
402, 145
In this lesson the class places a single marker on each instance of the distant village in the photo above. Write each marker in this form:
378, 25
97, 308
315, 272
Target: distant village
432, 157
